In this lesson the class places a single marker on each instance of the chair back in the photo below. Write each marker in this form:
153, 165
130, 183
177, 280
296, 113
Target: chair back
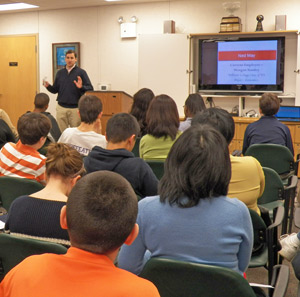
136, 148
15, 249
277, 157
274, 188
177, 279
157, 167
13, 187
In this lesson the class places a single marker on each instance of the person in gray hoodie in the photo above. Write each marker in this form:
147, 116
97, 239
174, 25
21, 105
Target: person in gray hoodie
121, 132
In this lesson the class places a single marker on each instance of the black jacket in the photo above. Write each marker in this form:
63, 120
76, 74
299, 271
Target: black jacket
135, 170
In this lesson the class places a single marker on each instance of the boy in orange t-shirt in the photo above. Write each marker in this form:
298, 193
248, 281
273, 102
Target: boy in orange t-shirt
100, 216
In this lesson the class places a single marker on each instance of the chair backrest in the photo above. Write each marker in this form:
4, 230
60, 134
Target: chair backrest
15, 249
13, 187
277, 157
274, 188
182, 279
136, 148
157, 167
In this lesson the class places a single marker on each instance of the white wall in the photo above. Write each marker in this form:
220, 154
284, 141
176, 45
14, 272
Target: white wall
109, 59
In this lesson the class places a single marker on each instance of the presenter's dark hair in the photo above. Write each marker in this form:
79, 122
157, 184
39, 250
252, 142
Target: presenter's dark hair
41, 100
197, 167
121, 126
219, 118
101, 212
89, 107
141, 101
269, 104
71, 52
194, 104
162, 117
32, 126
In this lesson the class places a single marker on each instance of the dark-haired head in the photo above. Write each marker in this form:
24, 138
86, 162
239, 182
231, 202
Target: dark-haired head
41, 101
70, 51
141, 101
101, 212
269, 104
120, 127
219, 118
32, 126
162, 117
197, 167
193, 104
64, 161
90, 107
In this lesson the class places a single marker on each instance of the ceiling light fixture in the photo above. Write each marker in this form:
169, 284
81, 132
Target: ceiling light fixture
16, 6
134, 19
120, 20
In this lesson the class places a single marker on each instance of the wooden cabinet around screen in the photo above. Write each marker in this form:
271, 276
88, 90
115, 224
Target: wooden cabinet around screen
113, 102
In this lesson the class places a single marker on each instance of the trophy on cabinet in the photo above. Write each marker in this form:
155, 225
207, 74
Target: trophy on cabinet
231, 23
259, 26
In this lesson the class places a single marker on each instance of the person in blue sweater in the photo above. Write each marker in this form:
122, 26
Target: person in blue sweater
192, 219
70, 83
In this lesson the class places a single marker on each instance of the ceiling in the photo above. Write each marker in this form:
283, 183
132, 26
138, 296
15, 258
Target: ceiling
60, 4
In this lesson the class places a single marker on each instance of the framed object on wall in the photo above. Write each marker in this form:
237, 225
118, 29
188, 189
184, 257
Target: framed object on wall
58, 55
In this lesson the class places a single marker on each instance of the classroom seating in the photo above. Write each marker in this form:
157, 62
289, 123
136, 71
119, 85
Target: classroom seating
15, 249
265, 245
13, 187
157, 167
176, 279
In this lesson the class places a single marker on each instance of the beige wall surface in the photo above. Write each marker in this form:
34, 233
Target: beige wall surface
109, 59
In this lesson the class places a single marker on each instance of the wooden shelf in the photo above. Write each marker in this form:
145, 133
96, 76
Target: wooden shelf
283, 32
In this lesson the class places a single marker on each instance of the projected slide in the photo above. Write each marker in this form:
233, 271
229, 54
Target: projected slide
247, 62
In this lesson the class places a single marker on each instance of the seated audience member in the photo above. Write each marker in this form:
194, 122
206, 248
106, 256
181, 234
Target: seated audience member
192, 219
121, 131
141, 101
88, 134
37, 215
4, 116
22, 159
41, 104
247, 181
193, 104
268, 129
100, 216
6, 135
162, 128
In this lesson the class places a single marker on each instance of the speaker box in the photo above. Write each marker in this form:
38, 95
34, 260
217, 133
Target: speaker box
169, 26
280, 22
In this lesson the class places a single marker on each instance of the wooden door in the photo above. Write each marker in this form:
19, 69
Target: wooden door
18, 74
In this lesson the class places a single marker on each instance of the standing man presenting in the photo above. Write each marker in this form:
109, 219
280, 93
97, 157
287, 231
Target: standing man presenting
70, 83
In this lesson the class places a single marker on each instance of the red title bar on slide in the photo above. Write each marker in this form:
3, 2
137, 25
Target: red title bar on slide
247, 55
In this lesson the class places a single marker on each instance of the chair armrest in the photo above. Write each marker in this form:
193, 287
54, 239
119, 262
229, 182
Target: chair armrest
280, 280
279, 217
293, 183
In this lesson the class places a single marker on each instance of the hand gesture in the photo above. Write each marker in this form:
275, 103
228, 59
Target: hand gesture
78, 83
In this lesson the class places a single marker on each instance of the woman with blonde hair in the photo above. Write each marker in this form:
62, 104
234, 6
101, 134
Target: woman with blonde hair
37, 215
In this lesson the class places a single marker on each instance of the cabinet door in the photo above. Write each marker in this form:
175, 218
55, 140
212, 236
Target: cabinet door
163, 65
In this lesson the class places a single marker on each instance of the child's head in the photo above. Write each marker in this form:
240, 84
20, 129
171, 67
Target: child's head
162, 117
101, 212
193, 104
269, 104
120, 127
64, 161
32, 126
90, 107
41, 101
218, 118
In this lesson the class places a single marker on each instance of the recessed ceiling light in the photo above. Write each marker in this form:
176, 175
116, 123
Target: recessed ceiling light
16, 6
113, 0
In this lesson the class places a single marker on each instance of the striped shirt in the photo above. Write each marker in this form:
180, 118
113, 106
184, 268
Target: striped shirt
19, 160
